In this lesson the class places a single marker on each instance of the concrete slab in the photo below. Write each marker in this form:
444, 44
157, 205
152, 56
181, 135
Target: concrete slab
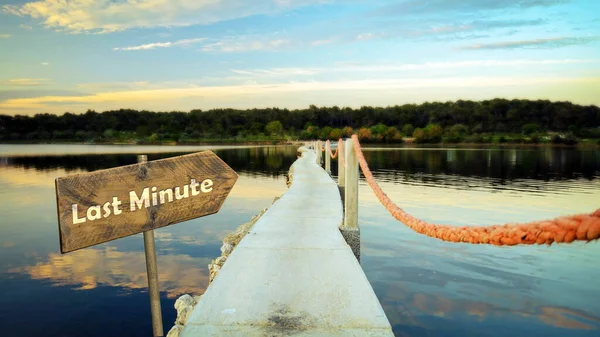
284, 237
252, 331
293, 274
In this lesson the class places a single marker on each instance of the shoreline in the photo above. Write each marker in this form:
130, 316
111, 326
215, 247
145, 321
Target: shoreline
584, 144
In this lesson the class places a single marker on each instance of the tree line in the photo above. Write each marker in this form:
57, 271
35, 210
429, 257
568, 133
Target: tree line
457, 121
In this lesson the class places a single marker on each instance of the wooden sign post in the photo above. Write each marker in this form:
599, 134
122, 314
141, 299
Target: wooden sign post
152, 274
109, 204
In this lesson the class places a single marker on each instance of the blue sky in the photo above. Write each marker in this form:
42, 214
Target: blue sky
59, 56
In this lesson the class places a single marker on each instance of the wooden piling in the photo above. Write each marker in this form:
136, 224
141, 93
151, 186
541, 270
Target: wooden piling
349, 229
328, 157
351, 187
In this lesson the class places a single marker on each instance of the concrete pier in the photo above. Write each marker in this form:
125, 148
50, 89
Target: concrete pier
293, 273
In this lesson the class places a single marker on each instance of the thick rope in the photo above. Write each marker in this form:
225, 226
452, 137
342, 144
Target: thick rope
566, 229
337, 150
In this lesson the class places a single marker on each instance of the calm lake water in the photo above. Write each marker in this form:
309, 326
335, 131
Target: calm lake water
427, 287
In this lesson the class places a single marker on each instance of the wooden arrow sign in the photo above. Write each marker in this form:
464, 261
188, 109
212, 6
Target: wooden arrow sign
109, 204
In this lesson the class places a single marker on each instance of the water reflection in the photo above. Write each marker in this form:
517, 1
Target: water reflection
411, 309
90, 268
504, 165
427, 287
268, 161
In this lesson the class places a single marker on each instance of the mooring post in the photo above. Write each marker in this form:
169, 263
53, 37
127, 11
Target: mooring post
152, 272
341, 168
328, 157
320, 153
350, 230
318, 149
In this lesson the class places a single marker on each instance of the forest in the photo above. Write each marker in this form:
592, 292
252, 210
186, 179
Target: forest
489, 121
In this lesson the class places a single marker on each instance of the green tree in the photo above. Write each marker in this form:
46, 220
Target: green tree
312, 131
419, 135
459, 130
392, 135
364, 134
347, 131
529, 129
108, 134
433, 133
335, 134
274, 128
324, 134
142, 131
499, 115
379, 129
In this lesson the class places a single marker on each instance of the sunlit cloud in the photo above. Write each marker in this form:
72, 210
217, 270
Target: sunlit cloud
106, 16
286, 94
25, 81
5, 36
154, 45
26, 27
44, 63
116, 86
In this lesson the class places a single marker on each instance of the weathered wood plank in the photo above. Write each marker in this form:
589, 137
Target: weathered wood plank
127, 200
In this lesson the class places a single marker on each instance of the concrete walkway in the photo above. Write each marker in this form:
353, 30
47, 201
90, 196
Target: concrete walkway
293, 274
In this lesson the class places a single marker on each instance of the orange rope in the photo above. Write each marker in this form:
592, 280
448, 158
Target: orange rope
333, 155
582, 227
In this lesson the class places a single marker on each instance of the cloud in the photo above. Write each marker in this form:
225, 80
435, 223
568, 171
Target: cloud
353, 67
91, 87
440, 6
228, 92
25, 81
17, 176
5, 36
422, 29
27, 27
367, 36
533, 44
438, 305
377, 90
106, 16
90, 268
278, 71
322, 42
25, 92
148, 46
241, 44
7, 244
44, 63
477, 25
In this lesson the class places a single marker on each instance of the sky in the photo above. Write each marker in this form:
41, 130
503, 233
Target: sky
60, 56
